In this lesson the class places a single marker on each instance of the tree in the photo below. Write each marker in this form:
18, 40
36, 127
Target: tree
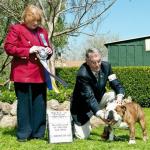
81, 14
63, 18
99, 41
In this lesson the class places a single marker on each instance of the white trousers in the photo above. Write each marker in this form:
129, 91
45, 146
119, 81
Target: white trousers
83, 132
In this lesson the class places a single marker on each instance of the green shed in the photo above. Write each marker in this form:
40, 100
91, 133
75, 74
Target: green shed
131, 52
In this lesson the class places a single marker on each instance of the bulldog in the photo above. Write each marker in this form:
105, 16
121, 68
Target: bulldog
129, 113
132, 113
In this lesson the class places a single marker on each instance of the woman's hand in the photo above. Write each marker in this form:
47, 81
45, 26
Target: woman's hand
48, 50
35, 49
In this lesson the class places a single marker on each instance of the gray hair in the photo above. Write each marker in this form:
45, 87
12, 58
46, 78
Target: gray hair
92, 50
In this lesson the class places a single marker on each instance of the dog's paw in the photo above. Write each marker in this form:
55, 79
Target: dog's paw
111, 137
145, 138
132, 142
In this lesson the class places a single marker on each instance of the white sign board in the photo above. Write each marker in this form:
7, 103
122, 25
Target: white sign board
59, 126
147, 44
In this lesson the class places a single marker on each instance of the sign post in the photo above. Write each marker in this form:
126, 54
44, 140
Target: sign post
59, 126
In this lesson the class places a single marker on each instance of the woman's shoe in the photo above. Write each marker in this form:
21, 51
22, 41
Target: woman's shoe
22, 140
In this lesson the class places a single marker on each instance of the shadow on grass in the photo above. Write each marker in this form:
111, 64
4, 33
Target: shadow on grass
95, 134
12, 132
125, 138
9, 131
121, 138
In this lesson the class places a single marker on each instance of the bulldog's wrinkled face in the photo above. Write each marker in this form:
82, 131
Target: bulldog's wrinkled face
111, 115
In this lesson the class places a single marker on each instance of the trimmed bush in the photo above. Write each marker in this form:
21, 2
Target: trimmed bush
68, 74
135, 80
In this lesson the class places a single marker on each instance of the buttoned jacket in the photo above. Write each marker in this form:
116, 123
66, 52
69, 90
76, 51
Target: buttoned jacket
88, 91
25, 67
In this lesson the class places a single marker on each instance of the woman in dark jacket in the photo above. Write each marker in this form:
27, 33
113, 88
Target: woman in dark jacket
89, 95
23, 42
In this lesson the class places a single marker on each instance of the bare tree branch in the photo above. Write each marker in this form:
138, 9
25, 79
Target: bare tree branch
42, 7
10, 12
76, 14
86, 22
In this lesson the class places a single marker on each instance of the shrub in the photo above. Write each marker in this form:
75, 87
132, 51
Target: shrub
65, 94
136, 81
7, 96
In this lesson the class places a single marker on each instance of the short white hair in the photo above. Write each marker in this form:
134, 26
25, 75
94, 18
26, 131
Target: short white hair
92, 50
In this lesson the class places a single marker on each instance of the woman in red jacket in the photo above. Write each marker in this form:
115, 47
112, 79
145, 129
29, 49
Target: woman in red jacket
23, 42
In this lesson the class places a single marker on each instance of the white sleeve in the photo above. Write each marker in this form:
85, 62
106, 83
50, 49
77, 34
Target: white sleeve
112, 77
120, 96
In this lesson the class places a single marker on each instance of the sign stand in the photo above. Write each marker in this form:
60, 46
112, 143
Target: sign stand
59, 126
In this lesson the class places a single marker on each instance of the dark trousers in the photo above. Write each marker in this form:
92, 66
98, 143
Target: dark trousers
31, 110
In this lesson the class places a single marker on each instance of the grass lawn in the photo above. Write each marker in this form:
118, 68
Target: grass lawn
8, 141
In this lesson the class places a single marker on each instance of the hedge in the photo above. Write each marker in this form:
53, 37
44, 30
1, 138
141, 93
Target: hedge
135, 80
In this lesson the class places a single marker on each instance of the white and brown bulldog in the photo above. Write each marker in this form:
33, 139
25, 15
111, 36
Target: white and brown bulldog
125, 115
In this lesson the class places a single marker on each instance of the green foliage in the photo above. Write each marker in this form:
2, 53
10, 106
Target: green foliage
68, 74
7, 96
135, 80
65, 94
12, 14
60, 41
6, 71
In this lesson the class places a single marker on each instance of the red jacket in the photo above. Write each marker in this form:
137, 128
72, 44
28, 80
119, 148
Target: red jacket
25, 67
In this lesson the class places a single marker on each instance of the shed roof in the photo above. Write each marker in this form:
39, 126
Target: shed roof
127, 40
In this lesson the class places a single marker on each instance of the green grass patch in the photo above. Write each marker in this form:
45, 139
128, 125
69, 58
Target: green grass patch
94, 142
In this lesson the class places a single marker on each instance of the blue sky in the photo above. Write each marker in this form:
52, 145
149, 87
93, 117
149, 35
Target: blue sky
126, 18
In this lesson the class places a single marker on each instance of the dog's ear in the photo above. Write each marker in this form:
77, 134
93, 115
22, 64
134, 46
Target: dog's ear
123, 108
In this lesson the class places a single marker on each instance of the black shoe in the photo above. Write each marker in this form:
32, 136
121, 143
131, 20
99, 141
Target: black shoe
38, 138
22, 140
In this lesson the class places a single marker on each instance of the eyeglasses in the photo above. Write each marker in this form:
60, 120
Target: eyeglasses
95, 62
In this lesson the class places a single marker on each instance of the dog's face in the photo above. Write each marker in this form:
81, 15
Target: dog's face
111, 115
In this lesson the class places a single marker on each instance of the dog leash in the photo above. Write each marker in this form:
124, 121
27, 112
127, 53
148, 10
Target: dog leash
43, 60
